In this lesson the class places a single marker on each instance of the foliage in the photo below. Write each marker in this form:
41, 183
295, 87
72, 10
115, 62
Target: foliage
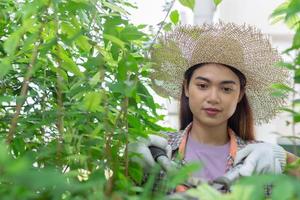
217, 2
188, 3
288, 12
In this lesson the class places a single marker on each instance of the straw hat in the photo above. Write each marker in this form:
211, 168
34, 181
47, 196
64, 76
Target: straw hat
240, 46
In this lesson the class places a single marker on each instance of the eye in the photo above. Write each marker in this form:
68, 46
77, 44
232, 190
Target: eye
202, 86
227, 89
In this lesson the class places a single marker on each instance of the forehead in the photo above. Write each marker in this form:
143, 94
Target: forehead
215, 72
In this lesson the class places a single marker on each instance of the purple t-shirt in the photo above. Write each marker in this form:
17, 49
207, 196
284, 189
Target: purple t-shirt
213, 158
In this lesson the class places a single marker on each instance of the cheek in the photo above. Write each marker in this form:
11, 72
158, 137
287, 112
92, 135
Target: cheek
231, 110
194, 102
231, 106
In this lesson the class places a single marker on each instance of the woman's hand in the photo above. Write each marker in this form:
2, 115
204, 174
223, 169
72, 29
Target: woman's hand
143, 155
260, 158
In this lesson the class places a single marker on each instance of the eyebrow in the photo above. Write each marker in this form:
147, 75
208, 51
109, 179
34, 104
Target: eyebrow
222, 82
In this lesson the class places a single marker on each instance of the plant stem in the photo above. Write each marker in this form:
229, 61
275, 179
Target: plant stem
126, 135
24, 89
162, 24
60, 114
59, 92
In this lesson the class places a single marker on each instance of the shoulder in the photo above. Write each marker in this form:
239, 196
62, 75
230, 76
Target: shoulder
241, 143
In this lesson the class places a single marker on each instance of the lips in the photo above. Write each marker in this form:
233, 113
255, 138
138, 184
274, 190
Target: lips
212, 111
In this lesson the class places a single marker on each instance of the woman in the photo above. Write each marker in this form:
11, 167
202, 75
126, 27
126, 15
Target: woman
222, 76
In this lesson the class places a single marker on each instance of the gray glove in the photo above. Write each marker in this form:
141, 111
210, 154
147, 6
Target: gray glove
258, 158
261, 158
141, 147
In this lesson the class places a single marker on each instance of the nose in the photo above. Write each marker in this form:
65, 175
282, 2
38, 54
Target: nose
213, 96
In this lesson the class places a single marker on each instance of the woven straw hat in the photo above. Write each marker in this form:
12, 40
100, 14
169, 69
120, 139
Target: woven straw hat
242, 47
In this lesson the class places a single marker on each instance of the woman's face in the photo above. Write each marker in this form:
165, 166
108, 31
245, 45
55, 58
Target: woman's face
213, 92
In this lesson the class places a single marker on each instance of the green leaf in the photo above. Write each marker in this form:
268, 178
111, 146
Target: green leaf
95, 79
146, 97
279, 94
68, 29
217, 2
179, 176
188, 3
115, 7
4, 156
129, 63
297, 76
174, 16
296, 102
74, 33
136, 172
293, 9
168, 26
19, 144
12, 42
29, 43
114, 40
134, 121
92, 101
68, 63
283, 190
83, 43
111, 23
127, 88
130, 33
296, 40
62, 73
280, 10
282, 87
75, 5
122, 72
5, 67
288, 110
287, 65
205, 192
298, 59
6, 99
28, 10
292, 21
296, 117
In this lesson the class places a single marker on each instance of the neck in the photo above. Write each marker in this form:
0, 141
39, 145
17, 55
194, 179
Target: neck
212, 135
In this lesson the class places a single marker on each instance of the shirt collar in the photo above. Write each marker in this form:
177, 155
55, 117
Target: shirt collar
233, 147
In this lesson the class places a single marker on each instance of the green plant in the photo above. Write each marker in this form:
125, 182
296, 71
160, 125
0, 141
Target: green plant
288, 12
73, 94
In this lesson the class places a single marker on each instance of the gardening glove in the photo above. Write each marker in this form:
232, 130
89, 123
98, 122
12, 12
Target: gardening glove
260, 158
141, 147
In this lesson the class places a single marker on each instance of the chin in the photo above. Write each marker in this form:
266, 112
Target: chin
211, 121
212, 124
